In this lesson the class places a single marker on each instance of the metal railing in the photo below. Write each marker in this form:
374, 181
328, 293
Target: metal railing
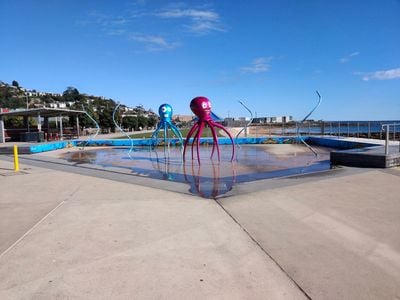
360, 129
386, 128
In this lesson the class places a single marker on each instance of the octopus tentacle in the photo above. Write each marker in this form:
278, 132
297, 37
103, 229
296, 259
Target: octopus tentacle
195, 138
199, 133
194, 127
154, 136
215, 140
213, 148
165, 133
227, 132
176, 131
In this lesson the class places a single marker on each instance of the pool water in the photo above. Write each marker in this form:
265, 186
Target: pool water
211, 178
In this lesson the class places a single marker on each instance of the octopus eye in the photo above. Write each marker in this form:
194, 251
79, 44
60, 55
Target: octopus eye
169, 109
204, 105
163, 109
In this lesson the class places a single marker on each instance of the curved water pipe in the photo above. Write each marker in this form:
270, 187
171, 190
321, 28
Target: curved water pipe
305, 118
97, 131
120, 129
247, 125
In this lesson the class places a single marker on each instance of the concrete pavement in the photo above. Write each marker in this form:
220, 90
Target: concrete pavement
327, 236
92, 238
337, 237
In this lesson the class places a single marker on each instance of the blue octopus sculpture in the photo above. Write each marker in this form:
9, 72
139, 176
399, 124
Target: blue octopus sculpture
165, 112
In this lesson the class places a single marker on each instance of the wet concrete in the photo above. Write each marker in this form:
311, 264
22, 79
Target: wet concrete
211, 178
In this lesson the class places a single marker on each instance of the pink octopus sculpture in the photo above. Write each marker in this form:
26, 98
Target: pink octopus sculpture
201, 107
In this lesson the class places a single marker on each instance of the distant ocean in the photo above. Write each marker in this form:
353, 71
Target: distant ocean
348, 127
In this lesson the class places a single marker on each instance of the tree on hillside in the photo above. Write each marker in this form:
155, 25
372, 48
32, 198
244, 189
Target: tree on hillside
130, 122
71, 94
14, 122
142, 122
15, 83
105, 119
10, 100
152, 121
84, 120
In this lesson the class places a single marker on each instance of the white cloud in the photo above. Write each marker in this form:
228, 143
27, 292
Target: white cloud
380, 75
153, 42
201, 21
113, 31
131, 24
192, 13
258, 65
347, 58
106, 19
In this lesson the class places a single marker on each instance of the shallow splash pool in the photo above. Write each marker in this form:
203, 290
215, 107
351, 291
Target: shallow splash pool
212, 178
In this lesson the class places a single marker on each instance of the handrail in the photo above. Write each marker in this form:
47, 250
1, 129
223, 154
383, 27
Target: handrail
386, 127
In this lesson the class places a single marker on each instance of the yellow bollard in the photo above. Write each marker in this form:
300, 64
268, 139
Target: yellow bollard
16, 163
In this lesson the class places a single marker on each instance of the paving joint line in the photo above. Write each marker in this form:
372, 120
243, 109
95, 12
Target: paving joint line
31, 229
263, 250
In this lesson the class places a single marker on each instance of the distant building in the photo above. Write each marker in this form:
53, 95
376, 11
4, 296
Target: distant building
183, 118
242, 121
58, 105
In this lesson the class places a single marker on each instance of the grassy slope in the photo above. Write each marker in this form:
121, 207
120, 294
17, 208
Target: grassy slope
146, 135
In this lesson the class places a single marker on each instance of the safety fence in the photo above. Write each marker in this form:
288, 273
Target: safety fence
361, 129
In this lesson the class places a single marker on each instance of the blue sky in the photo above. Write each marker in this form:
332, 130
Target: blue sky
272, 55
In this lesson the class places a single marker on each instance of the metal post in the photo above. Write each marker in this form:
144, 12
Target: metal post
387, 140
16, 162
61, 128
348, 129
26, 122
39, 124
394, 132
2, 131
77, 126
369, 129
256, 125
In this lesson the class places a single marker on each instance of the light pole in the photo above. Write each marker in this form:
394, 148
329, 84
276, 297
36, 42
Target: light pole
27, 101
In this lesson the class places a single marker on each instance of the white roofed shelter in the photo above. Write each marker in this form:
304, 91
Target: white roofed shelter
39, 113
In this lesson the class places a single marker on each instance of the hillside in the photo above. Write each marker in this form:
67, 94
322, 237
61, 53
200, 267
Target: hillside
13, 96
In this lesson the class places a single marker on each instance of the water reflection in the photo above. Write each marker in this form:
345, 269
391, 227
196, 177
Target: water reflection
165, 163
206, 186
82, 157
212, 178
